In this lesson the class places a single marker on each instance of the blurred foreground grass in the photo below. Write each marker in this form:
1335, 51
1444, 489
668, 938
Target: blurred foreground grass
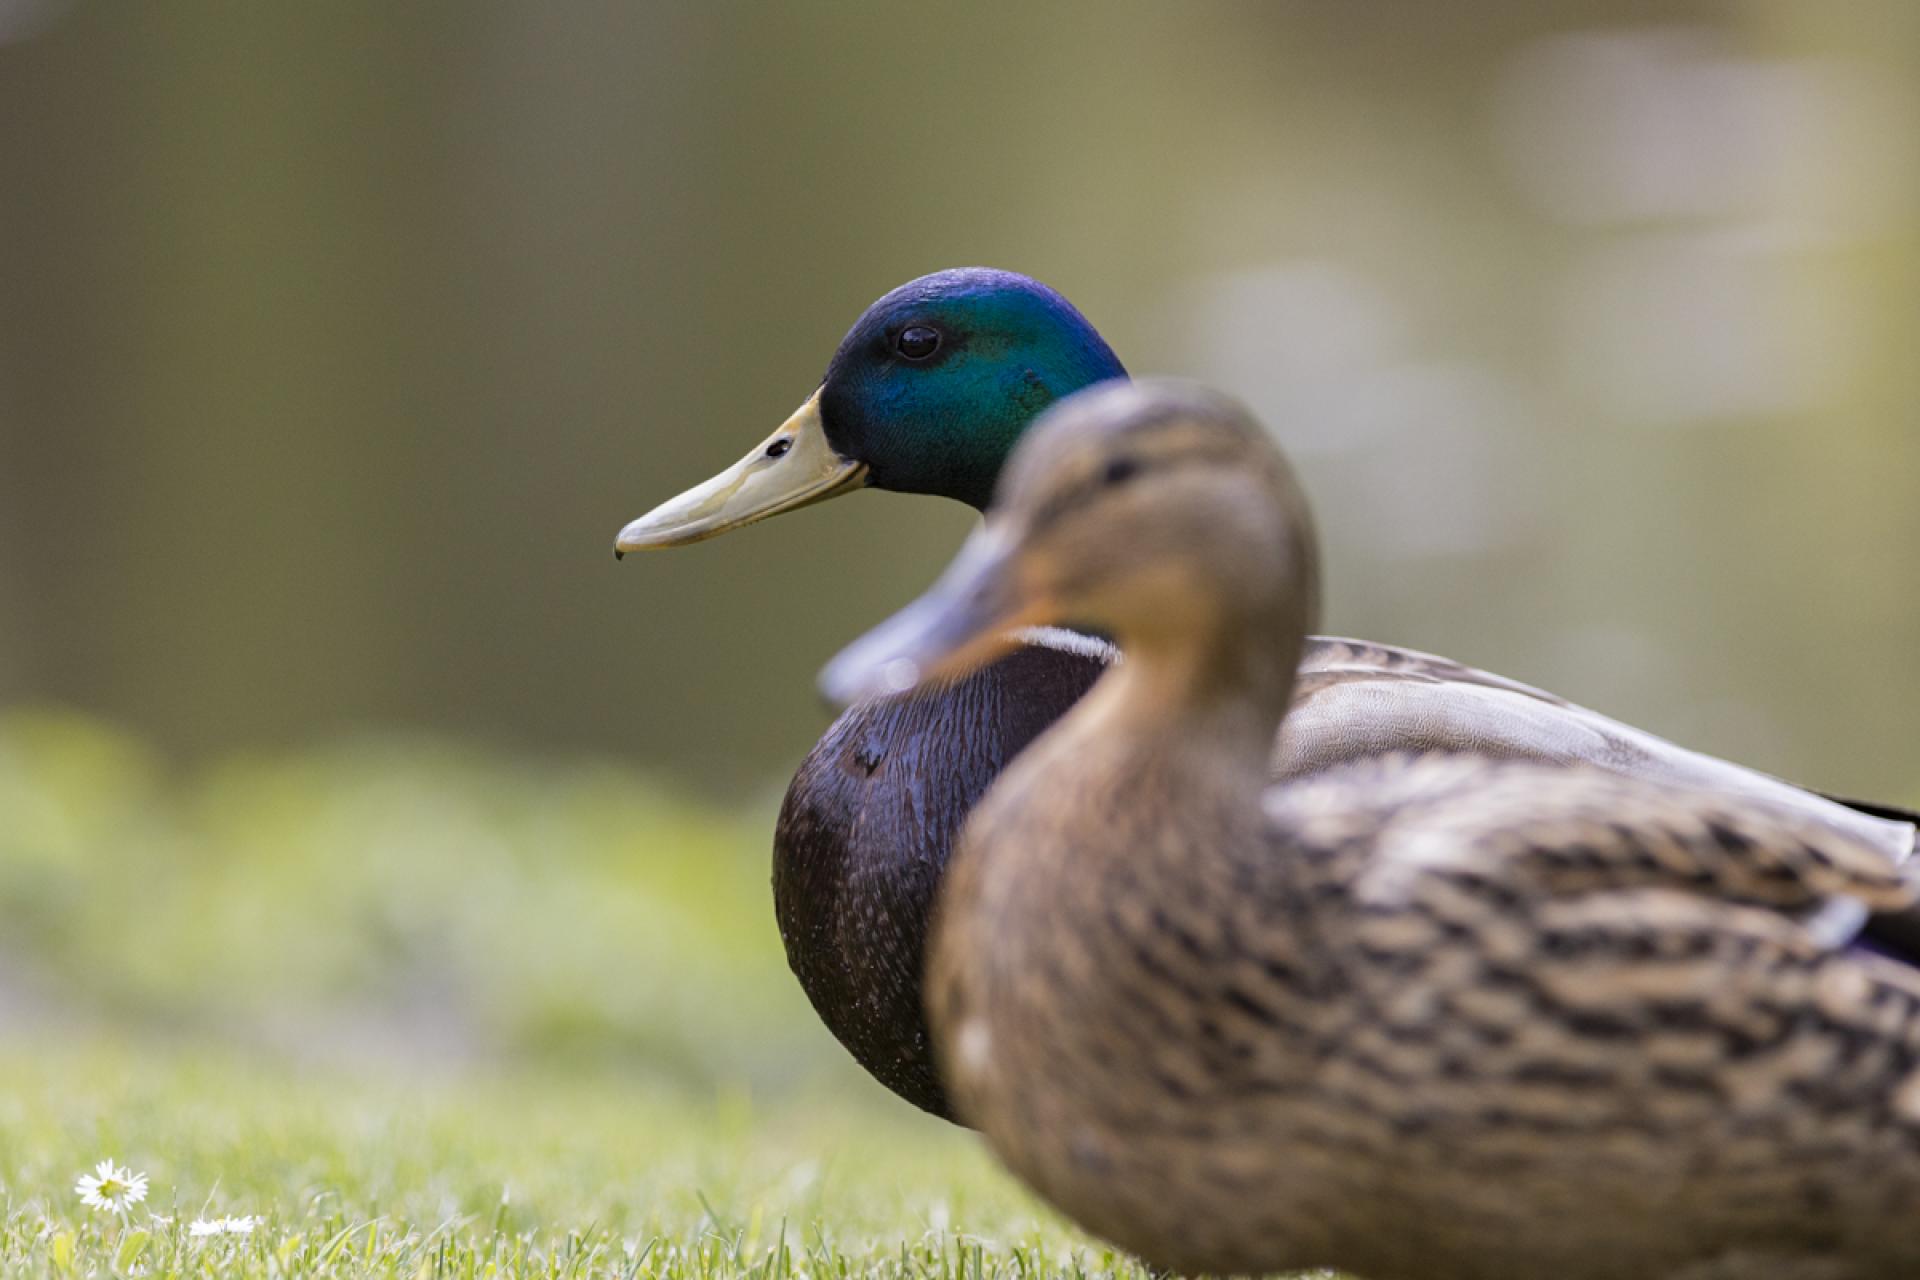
527, 1174
430, 1012
436, 1012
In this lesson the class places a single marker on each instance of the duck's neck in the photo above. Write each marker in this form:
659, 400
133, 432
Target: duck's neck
1167, 762
1222, 699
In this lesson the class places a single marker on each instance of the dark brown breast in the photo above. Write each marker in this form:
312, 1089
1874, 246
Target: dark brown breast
863, 840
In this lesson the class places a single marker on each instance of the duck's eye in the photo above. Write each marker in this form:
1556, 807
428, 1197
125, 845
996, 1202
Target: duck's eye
778, 449
917, 342
1119, 471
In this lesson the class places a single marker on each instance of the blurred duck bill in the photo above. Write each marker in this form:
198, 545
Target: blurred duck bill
792, 468
964, 619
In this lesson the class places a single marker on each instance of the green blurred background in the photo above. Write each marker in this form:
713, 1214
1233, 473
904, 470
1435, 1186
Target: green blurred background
337, 340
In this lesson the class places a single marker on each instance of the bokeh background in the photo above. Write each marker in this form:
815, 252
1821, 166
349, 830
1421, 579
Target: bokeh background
336, 341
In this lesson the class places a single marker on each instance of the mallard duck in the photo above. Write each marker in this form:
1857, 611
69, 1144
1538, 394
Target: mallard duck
927, 394
1424, 1017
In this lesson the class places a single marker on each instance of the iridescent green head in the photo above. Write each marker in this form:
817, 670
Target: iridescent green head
928, 393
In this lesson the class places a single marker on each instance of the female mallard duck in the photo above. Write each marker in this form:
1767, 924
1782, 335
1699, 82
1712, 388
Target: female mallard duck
927, 394
1434, 1017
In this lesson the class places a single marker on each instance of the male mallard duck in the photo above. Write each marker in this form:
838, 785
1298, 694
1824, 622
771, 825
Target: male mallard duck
927, 394
1434, 1017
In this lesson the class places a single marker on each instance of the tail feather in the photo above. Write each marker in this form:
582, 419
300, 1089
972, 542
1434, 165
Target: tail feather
1894, 934
1891, 812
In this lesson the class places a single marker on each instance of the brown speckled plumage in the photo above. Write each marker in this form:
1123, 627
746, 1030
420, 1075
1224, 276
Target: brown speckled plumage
1437, 1019
1422, 1017
869, 821
868, 824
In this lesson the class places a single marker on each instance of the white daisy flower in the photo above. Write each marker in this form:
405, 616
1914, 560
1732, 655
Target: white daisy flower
242, 1226
111, 1187
200, 1228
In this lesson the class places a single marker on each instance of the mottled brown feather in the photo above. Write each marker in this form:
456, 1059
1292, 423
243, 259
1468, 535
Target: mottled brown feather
1427, 1017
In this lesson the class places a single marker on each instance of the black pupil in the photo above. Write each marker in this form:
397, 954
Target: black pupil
918, 342
778, 449
1120, 470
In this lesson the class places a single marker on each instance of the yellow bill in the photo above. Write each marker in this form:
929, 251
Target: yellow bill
794, 467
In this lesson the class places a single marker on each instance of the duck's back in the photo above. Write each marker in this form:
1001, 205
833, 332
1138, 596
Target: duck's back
1357, 700
866, 829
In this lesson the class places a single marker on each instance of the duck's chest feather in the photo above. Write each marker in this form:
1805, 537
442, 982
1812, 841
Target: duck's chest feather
864, 836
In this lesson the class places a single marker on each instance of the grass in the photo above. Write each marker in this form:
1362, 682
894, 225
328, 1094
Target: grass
430, 1011
361, 1174
392, 896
